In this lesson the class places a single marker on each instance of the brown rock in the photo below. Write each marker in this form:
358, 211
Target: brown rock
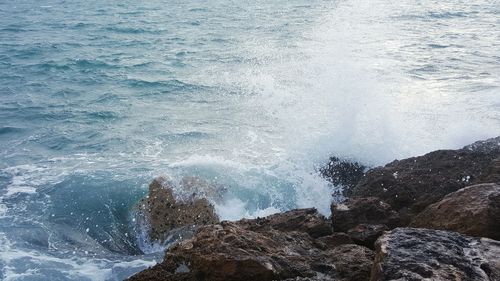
424, 254
367, 234
234, 251
366, 210
352, 262
333, 240
302, 220
474, 210
417, 182
164, 213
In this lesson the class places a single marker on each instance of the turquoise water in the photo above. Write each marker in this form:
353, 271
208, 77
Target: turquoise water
99, 97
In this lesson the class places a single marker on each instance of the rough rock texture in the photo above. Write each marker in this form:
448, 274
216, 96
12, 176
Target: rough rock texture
366, 210
474, 210
332, 241
417, 182
257, 250
344, 173
164, 213
302, 220
423, 254
367, 234
352, 262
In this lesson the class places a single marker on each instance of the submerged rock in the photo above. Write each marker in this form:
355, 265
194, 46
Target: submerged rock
474, 210
417, 182
423, 254
366, 210
164, 213
262, 249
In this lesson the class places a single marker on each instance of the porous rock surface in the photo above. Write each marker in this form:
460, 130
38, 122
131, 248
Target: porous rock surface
163, 212
424, 254
473, 210
410, 185
265, 249
301, 220
365, 210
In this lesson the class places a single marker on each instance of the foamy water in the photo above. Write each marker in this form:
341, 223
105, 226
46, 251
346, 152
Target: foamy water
99, 97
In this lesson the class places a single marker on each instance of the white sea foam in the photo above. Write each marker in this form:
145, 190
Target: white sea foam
72, 268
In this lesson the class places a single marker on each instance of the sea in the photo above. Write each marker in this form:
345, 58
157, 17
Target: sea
99, 97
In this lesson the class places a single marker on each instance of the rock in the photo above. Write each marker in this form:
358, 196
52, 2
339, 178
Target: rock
237, 251
333, 240
352, 262
195, 187
423, 254
417, 182
302, 220
492, 173
163, 213
342, 172
366, 210
367, 234
474, 210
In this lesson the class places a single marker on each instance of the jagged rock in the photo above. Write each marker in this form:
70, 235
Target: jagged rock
164, 213
417, 182
367, 234
333, 240
366, 210
343, 172
234, 251
424, 254
302, 220
474, 210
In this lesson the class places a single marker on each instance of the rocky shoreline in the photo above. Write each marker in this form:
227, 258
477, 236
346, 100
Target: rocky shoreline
431, 217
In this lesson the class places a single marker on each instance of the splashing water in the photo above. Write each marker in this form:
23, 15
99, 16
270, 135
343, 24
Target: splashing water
97, 98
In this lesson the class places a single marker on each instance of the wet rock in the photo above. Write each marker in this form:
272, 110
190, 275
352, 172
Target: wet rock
342, 172
367, 234
302, 220
423, 254
195, 187
417, 182
235, 251
333, 240
474, 210
164, 213
366, 210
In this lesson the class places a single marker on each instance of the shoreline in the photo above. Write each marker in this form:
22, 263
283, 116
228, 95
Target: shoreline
432, 216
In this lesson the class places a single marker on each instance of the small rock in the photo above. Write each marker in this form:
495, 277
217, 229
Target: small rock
474, 211
352, 262
366, 210
367, 234
302, 220
333, 240
164, 213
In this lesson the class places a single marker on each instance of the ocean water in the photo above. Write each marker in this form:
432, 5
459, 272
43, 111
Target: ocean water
99, 97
